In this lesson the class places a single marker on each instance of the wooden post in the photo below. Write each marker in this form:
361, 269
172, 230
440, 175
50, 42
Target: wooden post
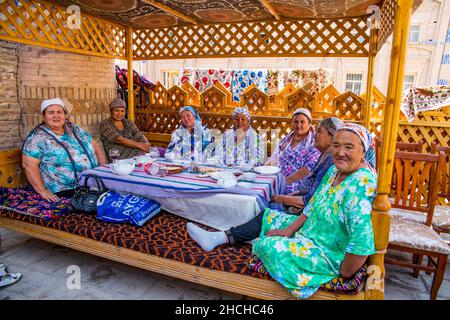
381, 205
373, 44
129, 46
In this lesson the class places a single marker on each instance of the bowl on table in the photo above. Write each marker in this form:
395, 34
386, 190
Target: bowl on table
249, 176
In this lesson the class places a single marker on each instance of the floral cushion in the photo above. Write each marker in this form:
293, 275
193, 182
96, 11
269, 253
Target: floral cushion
28, 202
441, 216
416, 235
409, 215
338, 284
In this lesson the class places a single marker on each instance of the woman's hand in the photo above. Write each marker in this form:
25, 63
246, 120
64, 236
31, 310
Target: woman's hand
277, 199
144, 146
49, 196
279, 233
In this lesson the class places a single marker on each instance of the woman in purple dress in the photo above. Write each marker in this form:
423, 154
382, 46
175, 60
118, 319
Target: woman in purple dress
296, 154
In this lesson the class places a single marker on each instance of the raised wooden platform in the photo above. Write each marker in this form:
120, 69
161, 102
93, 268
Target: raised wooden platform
232, 282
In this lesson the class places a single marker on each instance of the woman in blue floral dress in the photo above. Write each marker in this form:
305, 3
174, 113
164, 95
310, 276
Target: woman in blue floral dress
191, 140
242, 144
334, 236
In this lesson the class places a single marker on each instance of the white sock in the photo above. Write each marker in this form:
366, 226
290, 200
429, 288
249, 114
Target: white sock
206, 239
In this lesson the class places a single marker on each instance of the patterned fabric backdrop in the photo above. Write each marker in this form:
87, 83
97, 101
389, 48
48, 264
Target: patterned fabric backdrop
417, 100
242, 79
313, 81
268, 81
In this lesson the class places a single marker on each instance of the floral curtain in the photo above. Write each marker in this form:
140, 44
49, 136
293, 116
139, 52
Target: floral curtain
243, 78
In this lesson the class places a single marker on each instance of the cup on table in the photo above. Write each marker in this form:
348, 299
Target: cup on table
114, 154
154, 152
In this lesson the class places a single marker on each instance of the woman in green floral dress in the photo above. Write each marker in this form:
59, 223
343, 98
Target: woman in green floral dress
333, 237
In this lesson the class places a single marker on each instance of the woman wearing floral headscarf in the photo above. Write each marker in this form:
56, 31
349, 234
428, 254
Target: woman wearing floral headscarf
296, 154
191, 139
334, 236
241, 144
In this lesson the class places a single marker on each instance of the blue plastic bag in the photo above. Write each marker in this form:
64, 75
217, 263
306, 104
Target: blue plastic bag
120, 207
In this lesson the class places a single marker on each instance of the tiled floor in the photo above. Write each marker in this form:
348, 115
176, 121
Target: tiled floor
44, 269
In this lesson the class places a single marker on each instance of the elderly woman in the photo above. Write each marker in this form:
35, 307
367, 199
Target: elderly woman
122, 134
295, 202
241, 144
251, 229
191, 139
296, 154
56, 151
334, 236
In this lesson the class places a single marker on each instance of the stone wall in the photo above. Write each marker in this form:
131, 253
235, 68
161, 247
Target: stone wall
9, 106
86, 84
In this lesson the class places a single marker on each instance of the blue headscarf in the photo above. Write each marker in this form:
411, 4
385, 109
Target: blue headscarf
194, 113
201, 130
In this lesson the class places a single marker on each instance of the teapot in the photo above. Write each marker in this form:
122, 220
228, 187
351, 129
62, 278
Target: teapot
227, 181
123, 168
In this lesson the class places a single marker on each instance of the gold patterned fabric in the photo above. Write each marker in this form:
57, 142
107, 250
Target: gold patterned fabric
416, 235
142, 14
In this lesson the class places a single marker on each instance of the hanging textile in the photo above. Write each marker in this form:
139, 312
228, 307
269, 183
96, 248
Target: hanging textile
415, 100
187, 75
242, 79
275, 81
206, 78
314, 81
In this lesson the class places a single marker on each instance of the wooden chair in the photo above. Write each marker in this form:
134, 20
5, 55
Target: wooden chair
441, 216
417, 181
399, 146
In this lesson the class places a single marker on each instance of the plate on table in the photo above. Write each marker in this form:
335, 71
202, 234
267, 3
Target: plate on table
267, 170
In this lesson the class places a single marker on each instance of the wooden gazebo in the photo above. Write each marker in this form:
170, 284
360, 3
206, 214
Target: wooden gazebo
149, 29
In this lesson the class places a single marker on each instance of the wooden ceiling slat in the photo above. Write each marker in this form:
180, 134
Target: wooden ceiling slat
270, 8
172, 11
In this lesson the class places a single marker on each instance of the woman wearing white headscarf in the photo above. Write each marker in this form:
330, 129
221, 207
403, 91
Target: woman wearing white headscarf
241, 144
191, 138
56, 151
296, 154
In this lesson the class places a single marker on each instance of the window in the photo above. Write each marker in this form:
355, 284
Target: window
354, 82
442, 82
446, 58
169, 78
408, 81
414, 33
447, 40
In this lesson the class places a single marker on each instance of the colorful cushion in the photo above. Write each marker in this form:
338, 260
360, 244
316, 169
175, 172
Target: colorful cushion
338, 284
28, 202
416, 235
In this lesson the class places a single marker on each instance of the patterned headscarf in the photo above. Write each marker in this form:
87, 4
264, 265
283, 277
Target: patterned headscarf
362, 133
331, 124
241, 110
117, 103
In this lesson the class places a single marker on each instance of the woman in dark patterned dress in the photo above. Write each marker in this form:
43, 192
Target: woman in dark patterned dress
122, 134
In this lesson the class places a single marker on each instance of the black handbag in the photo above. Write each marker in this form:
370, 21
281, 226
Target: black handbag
85, 198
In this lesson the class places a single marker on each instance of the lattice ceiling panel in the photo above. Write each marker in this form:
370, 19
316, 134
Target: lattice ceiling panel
41, 23
316, 37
